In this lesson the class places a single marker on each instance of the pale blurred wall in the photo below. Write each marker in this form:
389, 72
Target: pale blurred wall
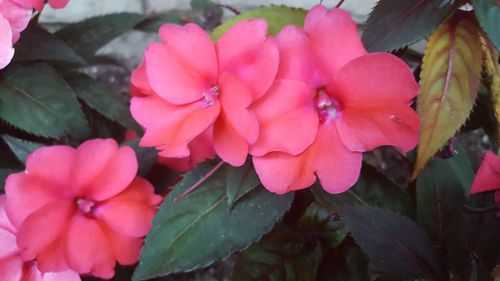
81, 9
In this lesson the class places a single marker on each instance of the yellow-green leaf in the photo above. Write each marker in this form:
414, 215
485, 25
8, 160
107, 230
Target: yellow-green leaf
491, 68
449, 82
277, 17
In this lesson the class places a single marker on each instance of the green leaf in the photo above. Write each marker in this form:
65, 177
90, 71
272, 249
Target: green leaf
277, 17
282, 255
90, 35
318, 220
38, 44
396, 24
202, 227
449, 83
35, 99
21, 148
146, 156
345, 264
487, 13
240, 181
393, 242
441, 190
372, 189
112, 105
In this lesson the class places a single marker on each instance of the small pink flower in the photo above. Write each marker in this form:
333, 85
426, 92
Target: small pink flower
331, 102
188, 85
38, 4
488, 176
81, 209
12, 266
13, 20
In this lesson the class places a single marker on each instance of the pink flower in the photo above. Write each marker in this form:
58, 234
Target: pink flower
188, 85
13, 20
488, 176
331, 102
38, 4
12, 266
81, 209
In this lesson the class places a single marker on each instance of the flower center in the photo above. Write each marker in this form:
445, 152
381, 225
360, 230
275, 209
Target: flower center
328, 107
210, 95
86, 206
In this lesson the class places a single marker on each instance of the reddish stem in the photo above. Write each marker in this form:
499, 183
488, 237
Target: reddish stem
200, 181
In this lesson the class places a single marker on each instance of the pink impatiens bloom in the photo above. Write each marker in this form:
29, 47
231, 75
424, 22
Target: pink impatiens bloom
190, 85
488, 176
81, 209
12, 265
13, 20
38, 4
331, 102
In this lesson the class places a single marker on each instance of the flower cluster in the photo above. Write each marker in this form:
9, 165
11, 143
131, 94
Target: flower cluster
75, 211
304, 104
14, 18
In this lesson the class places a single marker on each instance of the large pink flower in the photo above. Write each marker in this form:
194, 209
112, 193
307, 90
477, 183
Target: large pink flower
189, 85
39, 4
82, 209
331, 102
13, 20
12, 266
488, 176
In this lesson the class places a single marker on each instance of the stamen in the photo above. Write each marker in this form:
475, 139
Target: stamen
328, 107
85, 205
210, 95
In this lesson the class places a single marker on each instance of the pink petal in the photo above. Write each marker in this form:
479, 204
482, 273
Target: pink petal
139, 83
5, 223
53, 166
374, 79
34, 235
253, 59
31, 272
18, 17
181, 71
488, 175
228, 144
11, 268
172, 127
140, 191
334, 38
6, 50
126, 250
52, 258
88, 249
297, 62
280, 172
337, 167
235, 98
126, 217
25, 195
102, 169
58, 4
287, 117
67, 275
8, 244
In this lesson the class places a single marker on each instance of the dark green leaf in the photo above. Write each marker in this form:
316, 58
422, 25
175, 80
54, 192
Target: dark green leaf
21, 148
488, 14
146, 156
393, 242
90, 35
277, 17
202, 227
282, 255
240, 181
318, 220
372, 189
38, 44
35, 99
154, 23
111, 104
395, 24
345, 264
